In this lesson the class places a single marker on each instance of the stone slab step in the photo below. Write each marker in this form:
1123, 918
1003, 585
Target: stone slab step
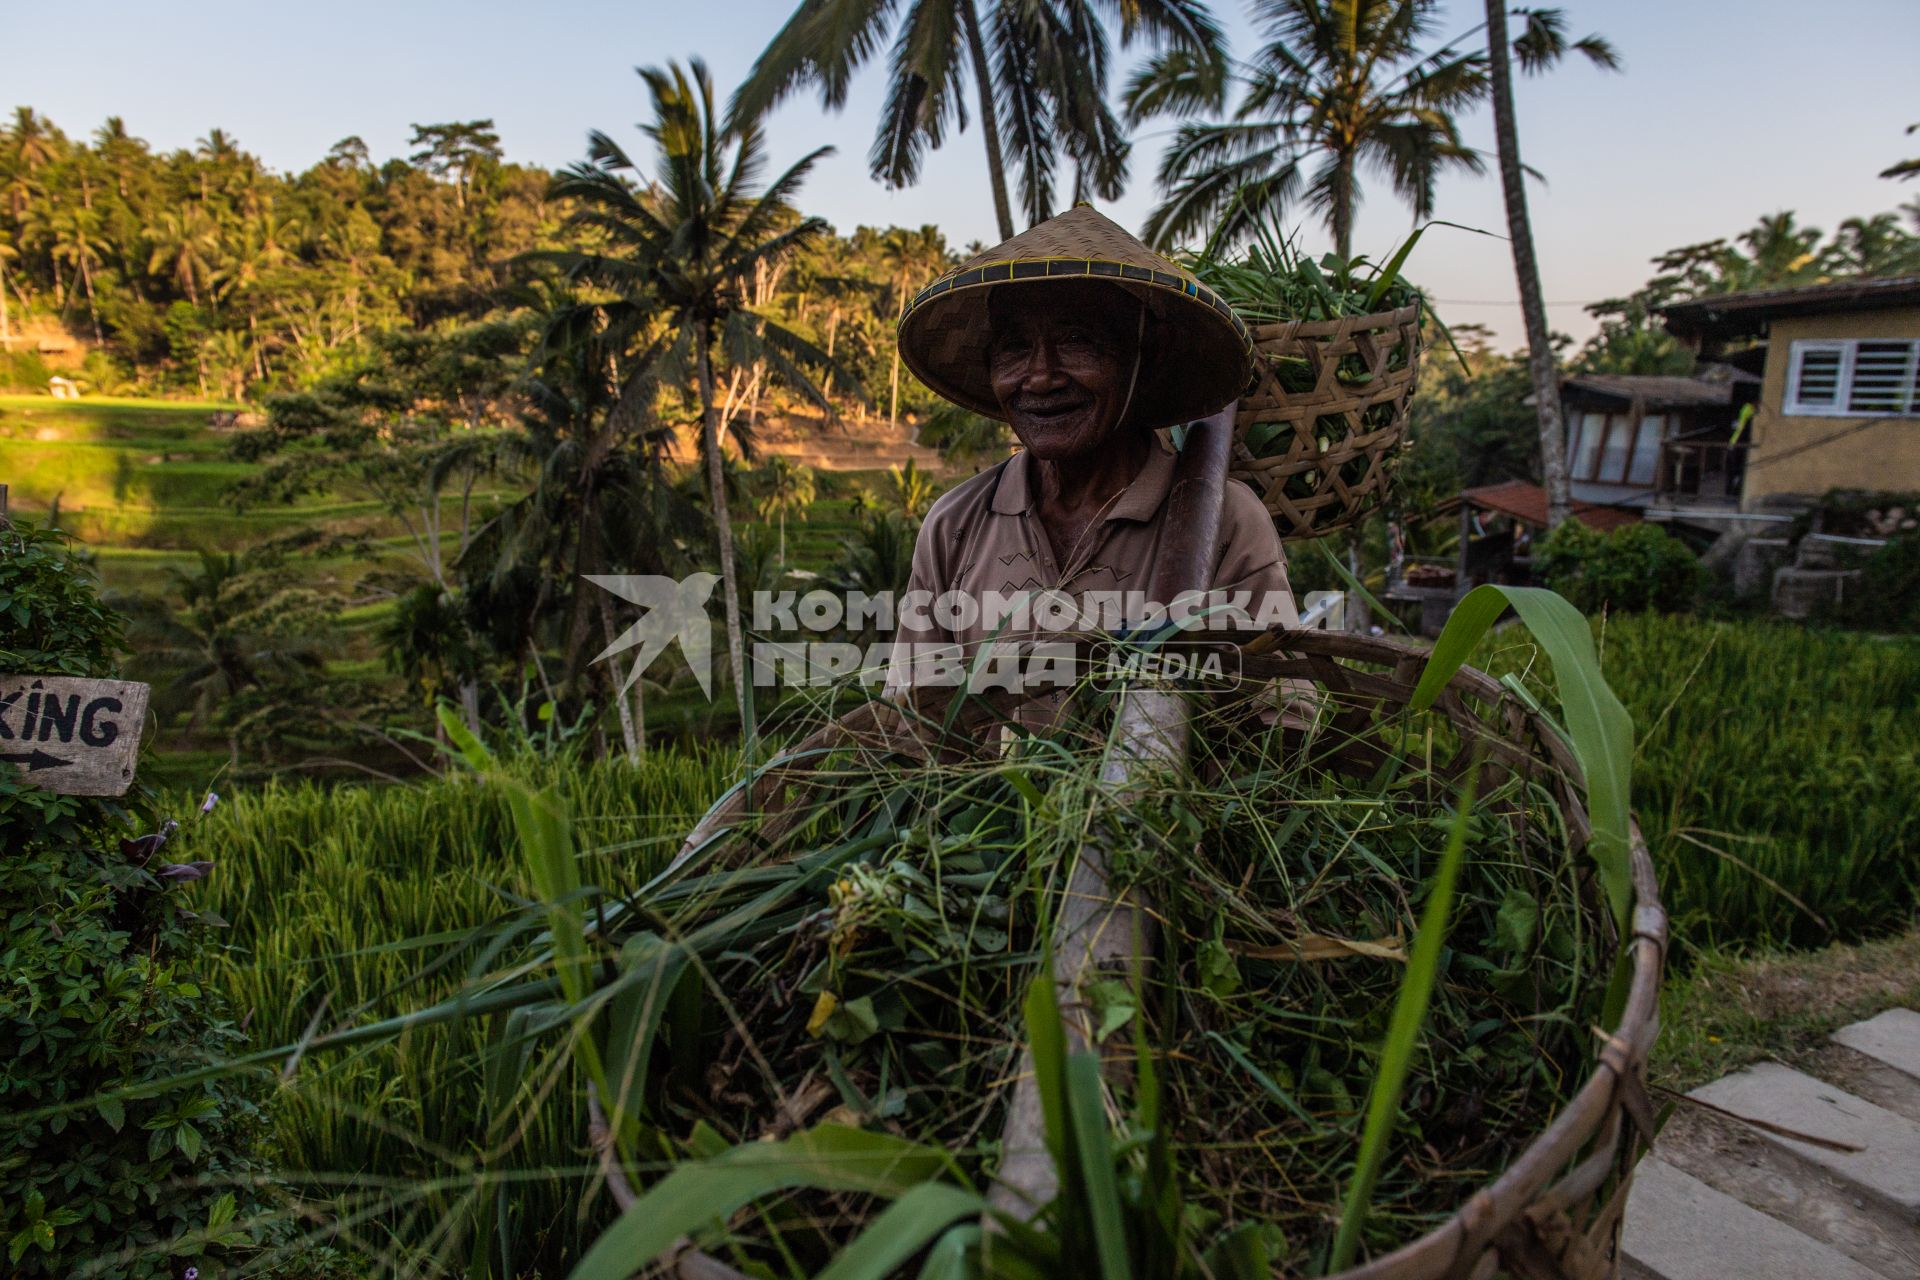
1679, 1228
1893, 1037
1887, 1164
1736, 1160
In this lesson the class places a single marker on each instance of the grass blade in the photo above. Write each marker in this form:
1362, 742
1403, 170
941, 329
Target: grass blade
1403, 1035
1598, 727
901, 1230
696, 1195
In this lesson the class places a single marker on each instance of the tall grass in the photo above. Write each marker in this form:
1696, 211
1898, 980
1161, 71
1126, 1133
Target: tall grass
1775, 774
321, 885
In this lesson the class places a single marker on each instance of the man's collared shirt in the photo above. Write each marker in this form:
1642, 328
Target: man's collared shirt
985, 536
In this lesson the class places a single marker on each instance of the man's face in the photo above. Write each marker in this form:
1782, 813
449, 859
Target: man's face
1060, 361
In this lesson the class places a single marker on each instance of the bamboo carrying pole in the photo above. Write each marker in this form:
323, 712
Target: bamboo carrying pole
1096, 931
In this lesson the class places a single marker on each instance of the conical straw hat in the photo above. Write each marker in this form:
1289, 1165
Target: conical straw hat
944, 333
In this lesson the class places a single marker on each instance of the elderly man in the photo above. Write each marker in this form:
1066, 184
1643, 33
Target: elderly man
1085, 342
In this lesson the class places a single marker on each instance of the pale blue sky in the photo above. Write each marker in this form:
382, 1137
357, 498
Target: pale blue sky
1725, 110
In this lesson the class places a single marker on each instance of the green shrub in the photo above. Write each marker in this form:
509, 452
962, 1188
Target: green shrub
23, 371
1887, 596
1635, 568
98, 992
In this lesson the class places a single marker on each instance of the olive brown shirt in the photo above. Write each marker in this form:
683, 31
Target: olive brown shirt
985, 536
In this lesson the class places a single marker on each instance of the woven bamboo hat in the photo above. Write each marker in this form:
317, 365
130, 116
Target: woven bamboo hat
945, 331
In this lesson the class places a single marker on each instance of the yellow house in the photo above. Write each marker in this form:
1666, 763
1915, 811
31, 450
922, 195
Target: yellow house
1839, 397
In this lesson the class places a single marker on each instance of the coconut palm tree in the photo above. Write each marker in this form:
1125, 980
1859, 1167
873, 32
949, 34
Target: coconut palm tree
1339, 86
1541, 44
77, 242
185, 243
785, 486
1336, 86
1039, 73
910, 258
670, 286
602, 502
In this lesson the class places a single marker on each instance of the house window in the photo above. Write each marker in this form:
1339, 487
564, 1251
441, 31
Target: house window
1854, 378
1613, 458
1586, 449
1646, 449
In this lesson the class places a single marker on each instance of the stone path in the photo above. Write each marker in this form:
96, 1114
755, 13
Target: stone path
1824, 1183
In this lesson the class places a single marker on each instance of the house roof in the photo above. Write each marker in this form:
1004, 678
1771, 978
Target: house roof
1528, 502
1738, 315
1661, 391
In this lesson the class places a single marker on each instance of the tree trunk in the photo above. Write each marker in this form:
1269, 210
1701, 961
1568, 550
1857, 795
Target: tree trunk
6, 325
1343, 208
93, 312
614, 690
1526, 270
989, 124
723, 534
893, 393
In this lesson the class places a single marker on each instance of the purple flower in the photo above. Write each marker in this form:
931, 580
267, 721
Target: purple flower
143, 849
192, 1273
213, 798
184, 870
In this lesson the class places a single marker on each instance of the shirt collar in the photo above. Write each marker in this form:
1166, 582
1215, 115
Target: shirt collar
1139, 501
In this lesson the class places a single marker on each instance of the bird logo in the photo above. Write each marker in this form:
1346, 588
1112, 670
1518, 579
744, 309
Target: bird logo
674, 608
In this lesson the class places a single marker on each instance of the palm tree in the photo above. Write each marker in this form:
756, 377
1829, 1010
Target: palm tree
785, 486
185, 242
913, 491
673, 280
227, 634
6, 328
1339, 86
602, 502
32, 139
911, 258
1540, 46
1039, 74
76, 242
1335, 86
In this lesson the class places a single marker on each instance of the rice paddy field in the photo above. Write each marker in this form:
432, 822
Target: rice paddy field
1773, 777
143, 485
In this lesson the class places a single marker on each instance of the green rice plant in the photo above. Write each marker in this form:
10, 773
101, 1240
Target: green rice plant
1772, 775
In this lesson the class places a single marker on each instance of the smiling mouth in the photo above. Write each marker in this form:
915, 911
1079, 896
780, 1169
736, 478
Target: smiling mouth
1052, 413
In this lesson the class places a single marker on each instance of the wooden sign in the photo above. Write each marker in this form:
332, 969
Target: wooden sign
77, 737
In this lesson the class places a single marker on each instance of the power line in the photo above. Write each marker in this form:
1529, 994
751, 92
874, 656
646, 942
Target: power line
1513, 302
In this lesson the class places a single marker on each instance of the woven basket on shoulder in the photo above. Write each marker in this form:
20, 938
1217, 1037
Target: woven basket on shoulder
1338, 440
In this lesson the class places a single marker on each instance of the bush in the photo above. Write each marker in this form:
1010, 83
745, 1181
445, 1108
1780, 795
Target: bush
1635, 568
1887, 595
98, 993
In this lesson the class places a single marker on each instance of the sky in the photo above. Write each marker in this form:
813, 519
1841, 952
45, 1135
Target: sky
1724, 111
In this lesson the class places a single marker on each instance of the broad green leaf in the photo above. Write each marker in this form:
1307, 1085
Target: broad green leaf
694, 1196
1598, 727
901, 1230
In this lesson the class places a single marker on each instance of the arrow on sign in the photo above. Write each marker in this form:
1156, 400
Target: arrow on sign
35, 760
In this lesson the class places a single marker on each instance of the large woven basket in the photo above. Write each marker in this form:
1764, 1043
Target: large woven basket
1339, 440
1555, 1213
